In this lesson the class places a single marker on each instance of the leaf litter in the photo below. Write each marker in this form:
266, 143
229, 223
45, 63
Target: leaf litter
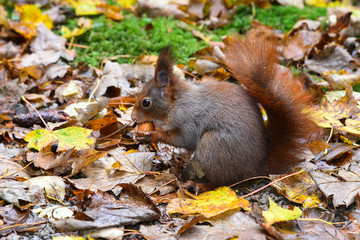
86, 173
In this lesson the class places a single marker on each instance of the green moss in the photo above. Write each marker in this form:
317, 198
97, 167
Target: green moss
130, 37
135, 36
284, 18
357, 88
278, 17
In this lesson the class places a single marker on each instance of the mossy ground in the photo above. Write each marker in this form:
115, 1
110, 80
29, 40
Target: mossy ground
141, 35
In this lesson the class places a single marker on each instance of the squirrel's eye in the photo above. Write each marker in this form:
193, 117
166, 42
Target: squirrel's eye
146, 103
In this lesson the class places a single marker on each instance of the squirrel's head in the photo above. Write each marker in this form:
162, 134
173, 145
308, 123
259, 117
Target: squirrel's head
156, 98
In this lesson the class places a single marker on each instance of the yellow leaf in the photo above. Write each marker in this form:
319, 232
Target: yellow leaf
329, 114
84, 23
279, 214
316, 3
110, 11
209, 203
39, 138
299, 188
70, 89
84, 7
68, 138
129, 4
30, 17
352, 126
68, 238
3, 17
74, 137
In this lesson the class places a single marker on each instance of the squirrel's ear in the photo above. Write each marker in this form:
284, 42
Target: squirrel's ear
164, 67
162, 78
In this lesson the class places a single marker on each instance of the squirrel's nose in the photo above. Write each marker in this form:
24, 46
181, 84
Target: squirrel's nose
134, 115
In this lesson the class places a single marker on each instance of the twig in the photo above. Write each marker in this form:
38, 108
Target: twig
77, 45
94, 90
190, 74
120, 129
129, 233
7, 171
22, 224
24, 99
319, 220
278, 180
249, 179
156, 189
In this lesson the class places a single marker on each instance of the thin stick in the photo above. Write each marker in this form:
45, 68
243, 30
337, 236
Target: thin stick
156, 189
278, 180
190, 74
22, 224
249, 179
120, 129
129, 233
315, 219
47, 127
330, 135
94, 90
7, 171
77, 45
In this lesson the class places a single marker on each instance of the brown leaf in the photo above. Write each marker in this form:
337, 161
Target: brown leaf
27, 220
332, 57
342, 192
102, 174
341, 23
111, 212
100, 123
46, 47
300, 44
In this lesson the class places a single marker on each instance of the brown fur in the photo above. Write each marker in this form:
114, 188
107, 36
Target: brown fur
221, 122
282, 96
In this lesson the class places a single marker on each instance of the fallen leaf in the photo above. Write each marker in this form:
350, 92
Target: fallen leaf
85, 25
21, 194
279, 214
30, 17
102, 175
300, 188
117, 76
10, 169
112, 213
342, 192
209, 204
332, 57
46, 47
84, 111
54, 186
56, 212
68, 138
21, 221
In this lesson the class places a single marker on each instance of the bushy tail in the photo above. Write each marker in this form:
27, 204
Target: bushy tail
254, 63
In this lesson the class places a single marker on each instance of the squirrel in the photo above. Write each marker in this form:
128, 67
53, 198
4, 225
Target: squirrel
221, 122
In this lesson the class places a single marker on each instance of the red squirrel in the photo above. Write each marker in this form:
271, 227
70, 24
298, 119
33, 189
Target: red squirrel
221, 123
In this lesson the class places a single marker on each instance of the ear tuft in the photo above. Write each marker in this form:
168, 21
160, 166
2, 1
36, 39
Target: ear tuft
164, 67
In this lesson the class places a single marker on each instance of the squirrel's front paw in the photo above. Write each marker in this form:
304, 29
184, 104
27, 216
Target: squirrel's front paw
143, 139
